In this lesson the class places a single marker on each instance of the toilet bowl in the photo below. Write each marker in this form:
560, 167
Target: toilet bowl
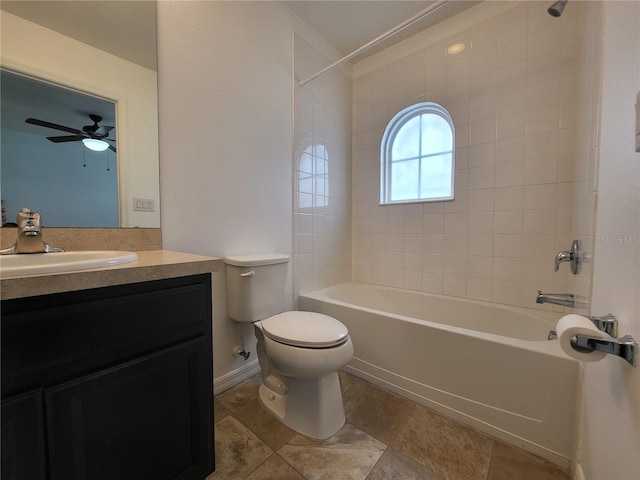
299, 353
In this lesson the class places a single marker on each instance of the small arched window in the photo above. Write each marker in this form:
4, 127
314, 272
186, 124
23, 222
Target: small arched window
417, 155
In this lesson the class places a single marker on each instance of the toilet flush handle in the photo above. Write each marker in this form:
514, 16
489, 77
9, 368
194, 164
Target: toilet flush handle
248, 274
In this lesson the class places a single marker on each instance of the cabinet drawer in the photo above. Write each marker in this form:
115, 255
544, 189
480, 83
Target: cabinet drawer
50, 339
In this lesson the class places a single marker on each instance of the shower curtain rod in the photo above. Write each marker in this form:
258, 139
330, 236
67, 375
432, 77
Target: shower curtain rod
407, 23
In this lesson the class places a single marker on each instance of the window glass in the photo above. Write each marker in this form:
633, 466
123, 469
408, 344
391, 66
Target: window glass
313, 177
417, 156
403, 145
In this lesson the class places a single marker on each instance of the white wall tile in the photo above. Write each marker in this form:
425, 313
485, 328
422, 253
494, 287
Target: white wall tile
432, 283
433, 243
455, 286
482, 155
517, 136
511, 150
480, 222
455, 223
481, 200
478, 289
481, 178
480, 244
509, 198
507, 246
483, 131
480, 267
433, 223
512, 25
511, 126
455, 244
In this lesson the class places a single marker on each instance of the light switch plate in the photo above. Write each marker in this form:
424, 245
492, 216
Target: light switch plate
143, 204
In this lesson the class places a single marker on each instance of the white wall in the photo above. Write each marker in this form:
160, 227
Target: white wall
609, 437
225, 140
227, 120
62, 60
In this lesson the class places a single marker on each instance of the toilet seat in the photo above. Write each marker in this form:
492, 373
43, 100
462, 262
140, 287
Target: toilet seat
305, 330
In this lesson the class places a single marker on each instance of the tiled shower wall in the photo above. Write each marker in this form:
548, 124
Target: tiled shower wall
322, 173
513, 94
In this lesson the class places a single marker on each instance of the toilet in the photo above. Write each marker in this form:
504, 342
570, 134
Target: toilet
299, 353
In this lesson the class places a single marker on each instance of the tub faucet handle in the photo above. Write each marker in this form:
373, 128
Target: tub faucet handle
574, 256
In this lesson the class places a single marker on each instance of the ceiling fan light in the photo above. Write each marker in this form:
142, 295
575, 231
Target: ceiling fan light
95, 144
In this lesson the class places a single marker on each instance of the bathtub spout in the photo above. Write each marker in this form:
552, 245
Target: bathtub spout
563, 299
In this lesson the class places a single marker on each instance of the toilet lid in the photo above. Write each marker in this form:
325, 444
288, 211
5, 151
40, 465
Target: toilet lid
305, 329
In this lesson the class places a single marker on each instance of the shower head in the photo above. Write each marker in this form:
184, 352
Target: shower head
557, 8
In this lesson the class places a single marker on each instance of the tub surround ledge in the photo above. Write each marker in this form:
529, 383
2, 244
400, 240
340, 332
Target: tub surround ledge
151, 265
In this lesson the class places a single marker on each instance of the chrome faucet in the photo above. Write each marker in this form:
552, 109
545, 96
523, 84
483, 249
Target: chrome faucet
29, 235
564, 299
575, 256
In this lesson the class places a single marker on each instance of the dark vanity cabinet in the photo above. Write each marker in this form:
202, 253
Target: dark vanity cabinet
109, 383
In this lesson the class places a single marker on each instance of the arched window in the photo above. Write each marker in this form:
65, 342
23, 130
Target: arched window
417, 155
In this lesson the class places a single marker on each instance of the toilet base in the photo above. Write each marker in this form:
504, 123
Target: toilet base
312, 407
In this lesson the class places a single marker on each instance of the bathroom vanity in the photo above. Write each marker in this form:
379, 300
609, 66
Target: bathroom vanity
107, 373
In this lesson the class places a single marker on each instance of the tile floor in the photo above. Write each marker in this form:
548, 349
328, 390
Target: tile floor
386, 437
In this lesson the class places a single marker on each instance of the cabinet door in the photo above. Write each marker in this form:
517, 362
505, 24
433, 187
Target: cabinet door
23, 452
146, 419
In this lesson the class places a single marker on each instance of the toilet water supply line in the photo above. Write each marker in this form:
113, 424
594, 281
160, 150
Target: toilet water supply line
388, 34
239, 350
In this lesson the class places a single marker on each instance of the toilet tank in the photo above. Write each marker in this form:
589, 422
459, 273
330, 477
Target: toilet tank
256, 286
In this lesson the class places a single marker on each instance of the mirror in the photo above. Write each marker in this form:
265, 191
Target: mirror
39, 150
61, 48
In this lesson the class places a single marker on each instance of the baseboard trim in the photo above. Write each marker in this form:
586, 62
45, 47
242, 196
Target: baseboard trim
231, 379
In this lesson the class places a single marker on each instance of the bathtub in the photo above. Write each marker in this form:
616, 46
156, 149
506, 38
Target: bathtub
486, 365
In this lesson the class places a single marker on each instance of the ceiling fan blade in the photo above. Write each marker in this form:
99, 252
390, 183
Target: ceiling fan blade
112, 148
67, 138
42, 123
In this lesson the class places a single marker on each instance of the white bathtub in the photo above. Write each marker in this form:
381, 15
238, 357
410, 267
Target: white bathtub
487, 365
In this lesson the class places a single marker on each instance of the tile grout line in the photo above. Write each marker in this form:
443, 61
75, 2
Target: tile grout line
493, 446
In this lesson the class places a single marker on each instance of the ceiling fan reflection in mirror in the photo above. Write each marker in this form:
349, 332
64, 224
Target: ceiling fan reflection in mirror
93, 136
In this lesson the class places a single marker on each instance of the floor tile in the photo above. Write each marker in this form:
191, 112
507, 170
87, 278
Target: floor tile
449, 448
267, 427
241, 394
347, 380
509, 462
376, 411
395, 466
238, 450
350, 454
426, 446
219, 410
275, 468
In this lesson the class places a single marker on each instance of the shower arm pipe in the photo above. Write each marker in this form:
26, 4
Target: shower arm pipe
388, 34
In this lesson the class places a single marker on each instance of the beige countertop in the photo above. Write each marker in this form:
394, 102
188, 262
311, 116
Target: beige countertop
151, 265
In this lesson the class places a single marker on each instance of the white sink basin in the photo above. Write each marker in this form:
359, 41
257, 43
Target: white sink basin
37, 263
